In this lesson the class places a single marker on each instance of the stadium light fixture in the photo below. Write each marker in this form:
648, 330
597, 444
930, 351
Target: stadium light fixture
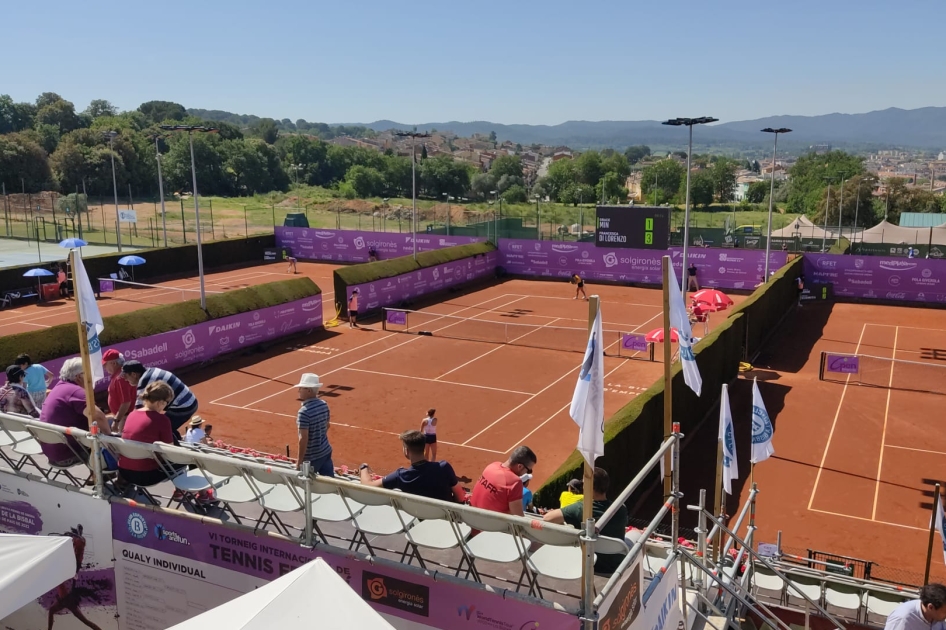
768, 238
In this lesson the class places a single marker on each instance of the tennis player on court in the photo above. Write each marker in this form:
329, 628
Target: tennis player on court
428, 426
353, 309
576, 279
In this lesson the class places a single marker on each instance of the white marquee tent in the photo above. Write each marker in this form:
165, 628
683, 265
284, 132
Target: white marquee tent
885, 232
312, 596
31, 566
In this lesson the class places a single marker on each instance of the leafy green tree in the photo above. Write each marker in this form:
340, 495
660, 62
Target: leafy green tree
309, 153
757, 192
590, 167
212, 179
397, 176
423, 152
516, 194
506, 165
492, 136
367, 181
61, 114
636, 153
810, 176
701, 189
22, 157
723, 172
15, 116
267, 130
666, 175
611, 188
47, 98
100, 107
443, 174
482, 184
162, 111
618, 164
561, 175
506, 181
47, 136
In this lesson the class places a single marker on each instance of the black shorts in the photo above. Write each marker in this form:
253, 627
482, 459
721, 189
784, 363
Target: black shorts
353, 313
581, 285
430, 438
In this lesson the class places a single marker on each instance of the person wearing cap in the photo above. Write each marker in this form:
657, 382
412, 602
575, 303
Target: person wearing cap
13, 395
184, 404
313, 422
195, 431
121, 394
526, 493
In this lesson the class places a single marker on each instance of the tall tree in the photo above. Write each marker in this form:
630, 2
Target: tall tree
701, 188
100, 107
161, 111
443, 174
811, 175
590, 168
267, 130
22, 157
636, 153
723, 173
666, 176
506, 165
61, 114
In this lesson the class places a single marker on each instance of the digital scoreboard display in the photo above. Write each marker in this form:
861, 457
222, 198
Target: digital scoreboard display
634, 227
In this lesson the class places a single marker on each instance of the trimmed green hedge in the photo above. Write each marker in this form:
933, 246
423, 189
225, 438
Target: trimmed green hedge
62, 340
345, 277
766, 307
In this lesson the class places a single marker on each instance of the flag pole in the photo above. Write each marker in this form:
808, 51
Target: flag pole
929, 547
720, 495
588, 478
668, 391
83, 344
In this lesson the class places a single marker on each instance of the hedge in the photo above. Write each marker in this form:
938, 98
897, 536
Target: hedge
766, 307
345, 277
62, 340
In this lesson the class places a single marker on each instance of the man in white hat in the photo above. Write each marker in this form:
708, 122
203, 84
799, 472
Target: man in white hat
313, 423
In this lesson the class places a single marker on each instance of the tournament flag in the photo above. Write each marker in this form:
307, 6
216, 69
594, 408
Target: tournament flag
587, 408
762, 429
940, 523
680, 320
89, 315
728, 440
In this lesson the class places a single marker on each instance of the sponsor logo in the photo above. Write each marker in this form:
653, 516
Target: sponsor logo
146, 352
563, 261
920, 296
188, 338
538, 247
722, 270
224, 341
359, 242
305, 233
893, 281
323, 234
827, 263
738, 285
436, 273
165, 534
896, 265
242, 339
900, 295
936, 252
311, 305
226, 327
858, 263
566, 249
137, 525
516, 247
926, 273
313, 320
256, 316
610, 259
585, 254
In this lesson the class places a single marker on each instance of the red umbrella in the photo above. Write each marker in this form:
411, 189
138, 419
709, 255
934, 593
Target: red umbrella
713, 298
657, 336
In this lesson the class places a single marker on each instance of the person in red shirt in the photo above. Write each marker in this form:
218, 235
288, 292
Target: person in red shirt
148, 425
122, 395
499, 489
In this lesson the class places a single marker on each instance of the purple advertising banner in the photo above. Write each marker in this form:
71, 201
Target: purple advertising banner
207, 340
634, 342
718, 268
206, 563
879, 277
354, 245
391, 291
842, 364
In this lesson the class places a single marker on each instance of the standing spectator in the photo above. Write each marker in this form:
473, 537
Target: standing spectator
606, 563
428, 426
926, 613
692, 283
353, 309
121, 394
500, 486
313, 422
13, 395
800, 287
434, 480
195, 432
38, 379
63, 280
65, 407
184, 405
148, 425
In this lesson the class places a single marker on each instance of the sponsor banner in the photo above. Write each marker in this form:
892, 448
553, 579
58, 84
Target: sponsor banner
718, 268
662, 610
170, 568
879, 278
634, 342
842, 364
208, 340
40, 509
622, 606
397, 317
416, 284
354, 245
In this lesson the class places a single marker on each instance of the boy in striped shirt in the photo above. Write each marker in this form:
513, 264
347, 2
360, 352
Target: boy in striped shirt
183, 406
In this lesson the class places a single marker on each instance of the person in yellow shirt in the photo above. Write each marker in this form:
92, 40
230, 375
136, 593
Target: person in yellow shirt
573, 494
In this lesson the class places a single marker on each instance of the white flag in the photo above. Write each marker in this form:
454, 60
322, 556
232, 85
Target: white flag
728, 439
587, 409
680, 320
89, 314
940, 523
762, 430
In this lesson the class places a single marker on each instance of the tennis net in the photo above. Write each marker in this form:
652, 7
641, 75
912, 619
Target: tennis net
883, 372
128, 291
570, 339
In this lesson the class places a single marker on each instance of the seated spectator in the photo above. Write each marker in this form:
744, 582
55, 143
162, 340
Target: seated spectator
434, 480
148, 425
38, 379
207, 437
606, 563
573, 493
13, 396
526, 493
122, 395
184, 405
195, 432
65, 407
499, 489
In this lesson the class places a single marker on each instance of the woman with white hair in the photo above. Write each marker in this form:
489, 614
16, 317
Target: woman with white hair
65, 407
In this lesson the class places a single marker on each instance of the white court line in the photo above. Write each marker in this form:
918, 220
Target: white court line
883, 435
834, 424
433, 380
369, 357
939, 330
918, 450
277, 377
870, 520
552, 297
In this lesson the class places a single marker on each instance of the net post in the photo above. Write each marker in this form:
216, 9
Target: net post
824, 356
929, 547
384, 318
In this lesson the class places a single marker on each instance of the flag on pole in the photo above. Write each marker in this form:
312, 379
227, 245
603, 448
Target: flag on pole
728, 439
680, 320
940, 523
587, 409
89, 315
762, 429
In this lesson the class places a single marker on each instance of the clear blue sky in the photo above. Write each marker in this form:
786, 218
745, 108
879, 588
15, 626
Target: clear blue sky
514, 61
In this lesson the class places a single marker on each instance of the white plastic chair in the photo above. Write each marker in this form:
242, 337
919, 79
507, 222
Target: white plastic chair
134, 450
329, 506
843, 601
560, 557
51, 437
230, 484
436, 528
276, 492
764, 583
23, 444
378, 517
181, 468
880, 604
809, 586
495, 541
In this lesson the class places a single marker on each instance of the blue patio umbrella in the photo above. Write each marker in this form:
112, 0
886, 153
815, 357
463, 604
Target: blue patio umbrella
131, 261
69, 243
38, 273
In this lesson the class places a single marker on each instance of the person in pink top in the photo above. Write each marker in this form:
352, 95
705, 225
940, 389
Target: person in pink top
499, 489
353, 309
147, 425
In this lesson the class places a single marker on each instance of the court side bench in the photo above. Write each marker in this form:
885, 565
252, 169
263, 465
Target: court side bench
17, 294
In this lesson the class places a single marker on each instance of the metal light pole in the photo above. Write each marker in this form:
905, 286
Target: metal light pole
827, 205
164, 224
841, 208
190, 129
688, 122
857, 207
118, 232
768, 238
538, 226
413, 136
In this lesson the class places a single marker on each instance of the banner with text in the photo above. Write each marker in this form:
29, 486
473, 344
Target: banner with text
719, 268
169, 568
354, 245
208, 340
40, 509
879, 278
416, 284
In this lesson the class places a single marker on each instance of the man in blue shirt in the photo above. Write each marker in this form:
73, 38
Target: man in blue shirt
37, 379
313, 422
434, 480
926, 613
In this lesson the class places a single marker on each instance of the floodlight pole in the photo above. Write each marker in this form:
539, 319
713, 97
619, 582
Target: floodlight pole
827, 206
118, 231
768, 238
164, 224
413, 136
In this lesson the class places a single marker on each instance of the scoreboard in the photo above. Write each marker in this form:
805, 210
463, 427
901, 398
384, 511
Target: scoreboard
637, 227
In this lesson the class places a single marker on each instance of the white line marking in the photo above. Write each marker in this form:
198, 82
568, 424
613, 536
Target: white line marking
883, 435
918, 450
551, 297
433, 380
869, 520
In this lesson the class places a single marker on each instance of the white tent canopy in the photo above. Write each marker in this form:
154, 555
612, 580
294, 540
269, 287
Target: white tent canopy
31, 566
311, 596
885, 232
804, 228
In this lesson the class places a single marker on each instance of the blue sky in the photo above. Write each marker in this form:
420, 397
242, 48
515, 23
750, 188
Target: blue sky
515, 61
